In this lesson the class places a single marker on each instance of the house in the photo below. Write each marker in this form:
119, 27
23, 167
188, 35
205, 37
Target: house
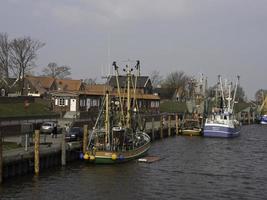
73, 95
143, 84
146, 100
64, 101
9, 87
65, 95
91, 97
37, 85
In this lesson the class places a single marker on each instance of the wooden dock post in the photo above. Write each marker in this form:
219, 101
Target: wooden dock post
85, 137
169, 125
249, 116
161, 127
253, 117
37, 152
239, 117
63, 148
176, 124
1, 158
153, 129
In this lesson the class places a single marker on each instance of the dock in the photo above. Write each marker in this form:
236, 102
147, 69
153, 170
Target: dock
149, 159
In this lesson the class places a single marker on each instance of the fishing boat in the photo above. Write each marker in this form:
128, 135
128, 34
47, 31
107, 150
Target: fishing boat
193, 119
263, 111
263, 119
222, 122
191, 127
117, 135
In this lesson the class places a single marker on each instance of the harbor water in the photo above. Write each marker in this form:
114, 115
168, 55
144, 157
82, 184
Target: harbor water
190, 168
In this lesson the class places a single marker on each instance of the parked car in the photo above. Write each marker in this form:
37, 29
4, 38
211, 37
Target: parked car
74, 134
47, 127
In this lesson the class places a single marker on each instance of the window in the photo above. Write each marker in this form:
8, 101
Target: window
154, 104
94, 102
61, 102
82, 102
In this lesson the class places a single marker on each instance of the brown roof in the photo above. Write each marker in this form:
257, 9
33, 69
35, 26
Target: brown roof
68, 84
139, 96
64, 93
41, 83
97, 89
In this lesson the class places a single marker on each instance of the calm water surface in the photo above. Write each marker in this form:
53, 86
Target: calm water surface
191, 168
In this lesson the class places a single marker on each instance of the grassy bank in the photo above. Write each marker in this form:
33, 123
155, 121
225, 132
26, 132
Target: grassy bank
18, 110
10, 145
173, 107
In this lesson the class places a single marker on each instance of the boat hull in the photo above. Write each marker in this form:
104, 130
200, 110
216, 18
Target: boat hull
263, 119
191, 132
213, 130
108, 157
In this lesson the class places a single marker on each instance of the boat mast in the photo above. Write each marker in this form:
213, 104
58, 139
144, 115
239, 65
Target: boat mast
216, 91
137, 66
119, 93
236, 84
107, 124
229, 99
128, 72
223, 103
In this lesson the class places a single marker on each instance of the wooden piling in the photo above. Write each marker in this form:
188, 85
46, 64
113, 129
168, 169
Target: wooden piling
85, 138
37, 152
176, 124
239, 116
249, 115
1, 158
253, 117
153, 128
169, 125
63, 148
161, 127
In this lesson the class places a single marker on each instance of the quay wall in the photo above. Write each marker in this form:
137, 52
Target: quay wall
23, 163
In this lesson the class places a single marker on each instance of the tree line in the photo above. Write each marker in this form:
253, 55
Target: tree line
184, 84
18, 56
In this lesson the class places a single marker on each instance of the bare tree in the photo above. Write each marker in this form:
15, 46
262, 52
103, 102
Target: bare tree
260, 95
90, 81
240, 94
53, 70
23, 52
155, 78
4, 55
176, 81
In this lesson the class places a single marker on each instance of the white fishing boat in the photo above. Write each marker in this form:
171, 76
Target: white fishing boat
222, 122
263, 111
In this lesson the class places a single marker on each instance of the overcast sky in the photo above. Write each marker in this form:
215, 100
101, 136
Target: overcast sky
227, 37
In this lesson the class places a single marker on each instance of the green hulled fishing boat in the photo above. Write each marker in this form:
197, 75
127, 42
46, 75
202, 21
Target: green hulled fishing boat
118, 135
